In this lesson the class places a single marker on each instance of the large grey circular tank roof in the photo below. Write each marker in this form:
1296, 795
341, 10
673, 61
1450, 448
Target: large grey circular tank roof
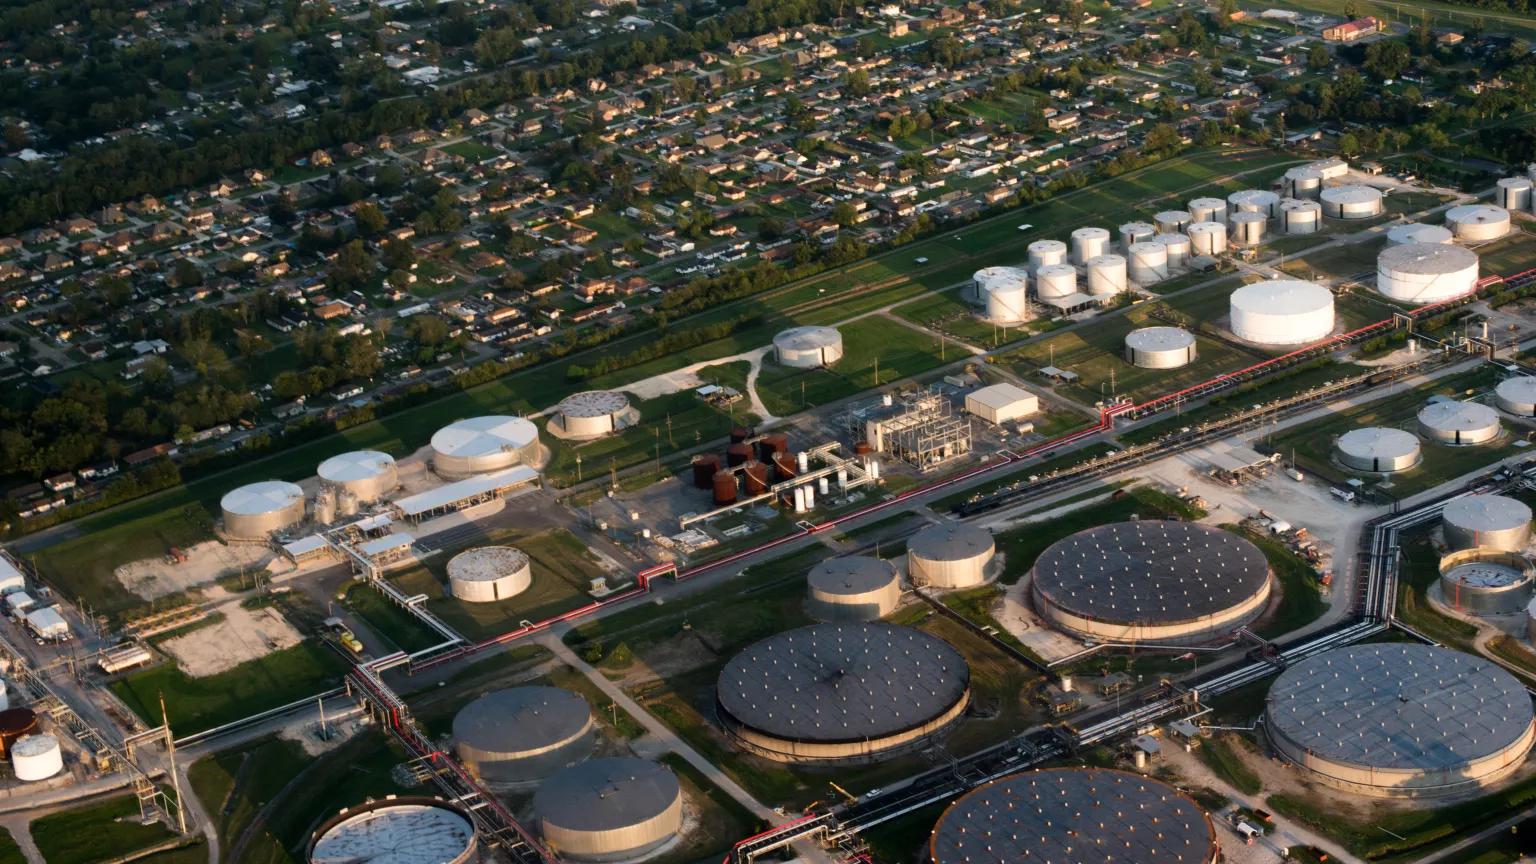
855, 574
1453, 416
832, 683
522, 720
1159, 339
593, 403
951, 542
1150, 572
1489, 513
1074, 816
606, 794
1399, 706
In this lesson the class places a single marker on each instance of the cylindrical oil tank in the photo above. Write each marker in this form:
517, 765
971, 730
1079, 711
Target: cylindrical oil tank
1303, 181
594, 414
754, 475
1282, 312
1459, 423
1513, 193
1253, 201
1178, 247
1418, 232
1207, 210
523, 734
15, 723
1004, 293
1378, 449
1517, 395
1486, 521
1106, 275
1172, 221
1476, 223
739, 434
1159, 347
1044, 253
368, 474
862, 448
1148, 263
1486, 581
1300, 217
949, 556
725, 487
769, 446
253, 511
808, 347
784, 466
609, 809
1055, 281
398, 830
36, 757
1132, 233
1350, 202
704, 467
1426, 272
1208, 238
1248, 227
737, 453
487, 574
855, 588
480, 445
1089, 242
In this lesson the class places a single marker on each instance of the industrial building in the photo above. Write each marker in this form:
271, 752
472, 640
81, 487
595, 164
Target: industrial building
399, 830
1486, 581
1398, 720
1074, 816
852, 588
487, 574
1151, 581
1351, 202
920, 428
1418, 232
1459, 423
1206, 210
1002, 403
1379, 449
1159, 347
366, 475
951, 555
523, 734
480, 445
1089, 243
893, 690
1513, 193
462, 494
1253, 201
1517, 395
1248, 228
1282, 312
254, 511
1300, 217
1106, 275
1420, 273
593, 414
614, 808
808, 347
1208, 238
1003, 293
1486, 522
1477, 223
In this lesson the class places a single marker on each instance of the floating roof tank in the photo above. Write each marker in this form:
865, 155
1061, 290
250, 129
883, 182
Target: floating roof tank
367, 474
403, 830
808, 347
1379, 449
594, 414
1487, 521
1421, 273
1486, 581
253, 511
949, 556
523, 734
609, 809
1159, 347
487, 574
1460, 423
853, 588
480, 445
1282, 312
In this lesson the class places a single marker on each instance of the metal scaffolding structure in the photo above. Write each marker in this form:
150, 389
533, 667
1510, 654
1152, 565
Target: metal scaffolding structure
918, 427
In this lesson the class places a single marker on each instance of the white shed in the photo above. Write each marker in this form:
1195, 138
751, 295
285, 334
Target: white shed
47, 623
1001, 403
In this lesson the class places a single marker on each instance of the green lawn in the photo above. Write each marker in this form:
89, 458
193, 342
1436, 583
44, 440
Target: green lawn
1300, 602
10, 853
1225, 755
97, 832
404, 631
234, 784
871, 346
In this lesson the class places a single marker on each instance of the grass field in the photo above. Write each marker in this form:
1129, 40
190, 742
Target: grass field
10, 853
948, 313
1224, 755
96, 833
1300, 602
402, 629
871, 346
234, 784
1513, 254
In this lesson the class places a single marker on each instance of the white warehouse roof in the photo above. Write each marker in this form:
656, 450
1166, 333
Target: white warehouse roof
1000, 403
449, 493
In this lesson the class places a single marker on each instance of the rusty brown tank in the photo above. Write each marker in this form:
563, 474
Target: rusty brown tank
771, 445
756, 474
862, 448
725, 487
784, 466
704, 467
740, 434
737, 453
14, 723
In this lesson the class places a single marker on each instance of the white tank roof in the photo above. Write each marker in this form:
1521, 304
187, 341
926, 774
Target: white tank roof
1476, 214
1418, 232
268, 496
1159, 339
1453, 416
356, 465
797, 339
406, 833
1282, 297
1429, 259
1353, 194
1487, 513
483, 436
1379, 443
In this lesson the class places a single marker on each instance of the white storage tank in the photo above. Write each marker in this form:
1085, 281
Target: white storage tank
1282, 312
1350, 202
808, 347
1148, 263
1378, 449
1089, 242
1253, 201
609, 809
1300, 217
1421, 273
1486, 521
1132, 233
1159, 347
1476, 223
36, 757
1208, 238
1044, 253
523, 734
949, 556
1486, 581
1207, 210
480, 445
1003, 293
253, 511
1459, 423
593, 414
367, 474
1303, 181
487, 574
397, 830
1517, 395
1513, 193
1418, 232
853, 588
1106, 275
1053, 281
1177, 247
1172, 221
1248, 228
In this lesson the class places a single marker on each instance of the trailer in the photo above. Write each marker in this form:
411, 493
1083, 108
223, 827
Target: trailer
47, 625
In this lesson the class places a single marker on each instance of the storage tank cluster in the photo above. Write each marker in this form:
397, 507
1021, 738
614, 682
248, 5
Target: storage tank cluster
1459, 423
400, 830
1397, 720
367, 475
1477, 223
1159, 347
1420, 273
594, 414
480, 445
1378, 449
1300, 217
1486, 521
853, 588
609, 809
842, 693
1517, 395
253, 511
1076, 815
808, 347
1282, 312
1089, 243
1151, 581
1351, 202
1208, 238
523, 734
1486, 581
487, 574
1418, 232
1003, 293
1514, 194
949, 556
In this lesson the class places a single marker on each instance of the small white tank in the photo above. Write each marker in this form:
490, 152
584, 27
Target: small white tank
1055, 281
1178, 247
1106, 275
1172, 221
1207, 210
1513, 193
1300, 217
1303, 181
1248, 227
1132, 233
1089, 242
1208, 238
1253, 201
1148, 263
1475, 223
36, 757
1043, 253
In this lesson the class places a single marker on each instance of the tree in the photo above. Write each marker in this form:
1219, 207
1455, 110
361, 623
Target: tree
352, 268
1318, 58
399, 254
370, 220
857, 83
844, 214
1386, 60
427, 330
